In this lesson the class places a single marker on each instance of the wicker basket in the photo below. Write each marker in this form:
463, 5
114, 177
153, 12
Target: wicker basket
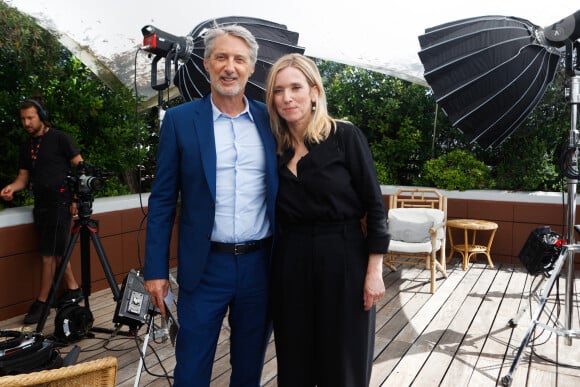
101, 372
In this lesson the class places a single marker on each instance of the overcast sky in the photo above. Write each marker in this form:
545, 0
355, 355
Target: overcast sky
375, 32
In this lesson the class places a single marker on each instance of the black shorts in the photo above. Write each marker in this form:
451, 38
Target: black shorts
53, 226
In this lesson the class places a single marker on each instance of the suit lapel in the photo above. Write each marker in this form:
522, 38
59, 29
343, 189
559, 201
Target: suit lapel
203, 124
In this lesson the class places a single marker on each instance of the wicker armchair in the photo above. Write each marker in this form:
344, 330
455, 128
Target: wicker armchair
100, 372
416, 220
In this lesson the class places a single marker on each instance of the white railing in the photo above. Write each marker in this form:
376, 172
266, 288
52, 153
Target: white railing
495, 195
23, 215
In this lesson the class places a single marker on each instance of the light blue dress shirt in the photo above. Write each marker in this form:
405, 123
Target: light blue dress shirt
240, 212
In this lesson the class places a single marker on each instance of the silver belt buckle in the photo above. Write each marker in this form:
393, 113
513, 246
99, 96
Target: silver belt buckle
237, 246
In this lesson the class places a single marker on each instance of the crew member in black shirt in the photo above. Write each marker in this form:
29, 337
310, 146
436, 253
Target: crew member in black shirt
326, 272
45, 160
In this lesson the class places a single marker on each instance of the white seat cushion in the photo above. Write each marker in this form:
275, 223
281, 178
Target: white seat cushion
412, 248
412, 224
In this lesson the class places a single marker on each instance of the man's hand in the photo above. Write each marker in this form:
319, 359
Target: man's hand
7, 193
158, 289
73, 208
18, 184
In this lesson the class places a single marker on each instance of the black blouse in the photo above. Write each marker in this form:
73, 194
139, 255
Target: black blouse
336, 182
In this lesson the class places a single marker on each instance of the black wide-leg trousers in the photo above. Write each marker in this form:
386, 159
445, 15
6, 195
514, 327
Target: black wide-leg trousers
323, 335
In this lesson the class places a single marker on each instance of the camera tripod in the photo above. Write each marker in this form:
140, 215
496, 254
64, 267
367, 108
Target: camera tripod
87, 229
568, 251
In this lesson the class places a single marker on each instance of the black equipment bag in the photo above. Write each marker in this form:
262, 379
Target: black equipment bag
29, 354
72, 323
541, 250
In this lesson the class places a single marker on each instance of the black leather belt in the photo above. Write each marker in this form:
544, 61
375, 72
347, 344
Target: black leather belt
239, 248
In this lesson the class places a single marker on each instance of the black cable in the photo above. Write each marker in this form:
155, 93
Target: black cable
532, 343
568, 168
142, 357
139, 166
577, 302
140, 178
138, 139
117, 338
556, 363
537, 337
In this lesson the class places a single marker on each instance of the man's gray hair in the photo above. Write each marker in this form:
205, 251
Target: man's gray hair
234, 30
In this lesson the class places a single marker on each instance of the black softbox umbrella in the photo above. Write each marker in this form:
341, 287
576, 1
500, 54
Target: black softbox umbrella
273, 39
487, 73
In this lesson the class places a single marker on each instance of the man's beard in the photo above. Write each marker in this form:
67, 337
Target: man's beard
230, 91
33, 131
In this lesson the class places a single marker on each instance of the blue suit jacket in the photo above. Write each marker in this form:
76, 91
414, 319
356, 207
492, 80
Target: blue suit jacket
186, 164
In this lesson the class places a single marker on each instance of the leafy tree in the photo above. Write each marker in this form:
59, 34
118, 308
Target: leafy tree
403, 125
528, 167
457, 170
21, 70
395, 115
101, 121
405, 130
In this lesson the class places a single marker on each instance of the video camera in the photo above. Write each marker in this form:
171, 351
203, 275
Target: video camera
83, 181
86, 179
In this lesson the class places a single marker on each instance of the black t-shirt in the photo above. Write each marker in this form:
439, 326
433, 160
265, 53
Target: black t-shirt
47, 158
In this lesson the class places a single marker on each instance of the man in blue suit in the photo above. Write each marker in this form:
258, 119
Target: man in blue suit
217, 159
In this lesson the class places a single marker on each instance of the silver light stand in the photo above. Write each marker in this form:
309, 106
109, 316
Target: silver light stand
568, 251
572, 186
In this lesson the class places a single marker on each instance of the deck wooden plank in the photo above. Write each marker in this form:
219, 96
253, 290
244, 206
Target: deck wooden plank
458, 336
569, 353
390, 318
544, 350
491, 356
514, 340
436, 365
423, 342
464, 363
551, 353
414, 318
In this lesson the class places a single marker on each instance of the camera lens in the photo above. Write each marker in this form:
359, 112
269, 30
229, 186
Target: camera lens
95, 183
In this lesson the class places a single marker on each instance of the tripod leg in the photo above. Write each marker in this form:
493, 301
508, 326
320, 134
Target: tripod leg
85, 264
105, 264
58, 278
507, 379
89, 231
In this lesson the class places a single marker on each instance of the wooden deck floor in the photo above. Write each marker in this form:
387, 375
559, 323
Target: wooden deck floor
460, 336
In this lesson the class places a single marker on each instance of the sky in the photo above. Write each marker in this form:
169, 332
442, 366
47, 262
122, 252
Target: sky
377, 34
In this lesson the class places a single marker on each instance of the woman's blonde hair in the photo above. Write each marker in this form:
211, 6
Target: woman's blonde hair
321, 123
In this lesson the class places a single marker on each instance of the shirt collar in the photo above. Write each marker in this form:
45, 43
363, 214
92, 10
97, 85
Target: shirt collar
217, 113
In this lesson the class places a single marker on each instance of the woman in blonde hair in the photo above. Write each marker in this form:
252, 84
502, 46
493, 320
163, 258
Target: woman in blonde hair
326, 273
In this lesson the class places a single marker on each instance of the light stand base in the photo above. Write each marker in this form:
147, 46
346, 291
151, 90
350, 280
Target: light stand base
566, 254
514, 321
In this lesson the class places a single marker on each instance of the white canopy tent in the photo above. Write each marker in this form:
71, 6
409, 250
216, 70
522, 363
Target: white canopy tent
373, 34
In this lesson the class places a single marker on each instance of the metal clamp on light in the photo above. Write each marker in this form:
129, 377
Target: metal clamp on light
167, 46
